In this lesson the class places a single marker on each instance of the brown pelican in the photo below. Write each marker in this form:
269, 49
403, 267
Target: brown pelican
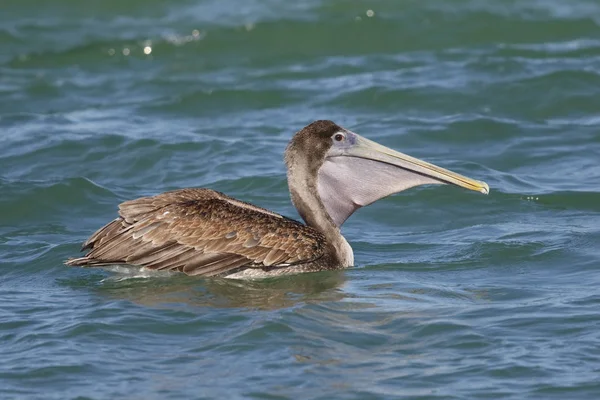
331, 173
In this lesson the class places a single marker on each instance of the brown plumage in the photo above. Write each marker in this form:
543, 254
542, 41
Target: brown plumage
201, 232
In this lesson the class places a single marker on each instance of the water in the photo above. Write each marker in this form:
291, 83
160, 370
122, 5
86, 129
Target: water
455, 294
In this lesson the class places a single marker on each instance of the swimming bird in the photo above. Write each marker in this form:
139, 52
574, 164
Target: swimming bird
331, 173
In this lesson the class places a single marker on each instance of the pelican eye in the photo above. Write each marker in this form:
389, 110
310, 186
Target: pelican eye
338, 137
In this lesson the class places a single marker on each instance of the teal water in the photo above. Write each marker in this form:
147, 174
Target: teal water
455, 295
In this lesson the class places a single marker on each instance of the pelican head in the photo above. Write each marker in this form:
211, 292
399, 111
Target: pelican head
344, 171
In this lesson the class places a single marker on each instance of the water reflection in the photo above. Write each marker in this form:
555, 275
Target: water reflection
178, 290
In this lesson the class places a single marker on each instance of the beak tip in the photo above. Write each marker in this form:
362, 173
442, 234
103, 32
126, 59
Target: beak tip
485, 189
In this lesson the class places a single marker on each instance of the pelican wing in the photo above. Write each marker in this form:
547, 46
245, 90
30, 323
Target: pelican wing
200, 232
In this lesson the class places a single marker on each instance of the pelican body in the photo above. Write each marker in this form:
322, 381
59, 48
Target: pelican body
331, 173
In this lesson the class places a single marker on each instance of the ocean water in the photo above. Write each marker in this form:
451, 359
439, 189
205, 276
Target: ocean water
455, 295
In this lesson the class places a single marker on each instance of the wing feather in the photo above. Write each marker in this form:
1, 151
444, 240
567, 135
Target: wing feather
200, 232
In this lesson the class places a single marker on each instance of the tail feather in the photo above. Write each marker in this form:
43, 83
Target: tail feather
87, 262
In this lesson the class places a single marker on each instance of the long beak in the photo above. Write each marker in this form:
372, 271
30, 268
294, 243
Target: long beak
368, 149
